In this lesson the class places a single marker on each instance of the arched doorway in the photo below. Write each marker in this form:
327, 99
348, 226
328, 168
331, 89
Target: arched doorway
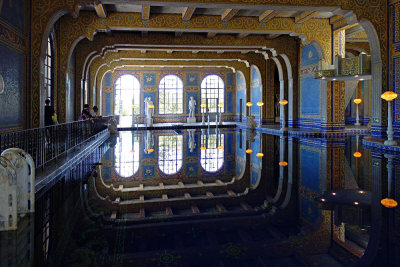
126, 98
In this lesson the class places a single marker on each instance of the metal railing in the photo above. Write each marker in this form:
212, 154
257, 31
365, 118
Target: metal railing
49, 143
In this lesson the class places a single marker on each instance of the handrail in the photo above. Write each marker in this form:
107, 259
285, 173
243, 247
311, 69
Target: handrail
46, 144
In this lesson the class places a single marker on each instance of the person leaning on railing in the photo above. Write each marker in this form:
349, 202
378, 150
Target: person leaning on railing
50, 118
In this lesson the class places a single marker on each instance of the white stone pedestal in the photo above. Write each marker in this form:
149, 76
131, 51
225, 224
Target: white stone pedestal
191, 120
149, 121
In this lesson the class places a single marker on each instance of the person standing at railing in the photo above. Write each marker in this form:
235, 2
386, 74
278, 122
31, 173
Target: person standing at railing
49, 115
93, 112
85, 115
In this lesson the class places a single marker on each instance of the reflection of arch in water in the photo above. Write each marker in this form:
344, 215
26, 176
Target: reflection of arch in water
212, 158
127, 154
170, 153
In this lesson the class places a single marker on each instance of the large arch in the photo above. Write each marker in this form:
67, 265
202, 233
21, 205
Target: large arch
376, 79
281, 88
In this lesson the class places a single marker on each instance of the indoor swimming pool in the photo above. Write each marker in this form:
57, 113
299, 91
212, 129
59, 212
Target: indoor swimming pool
216, 197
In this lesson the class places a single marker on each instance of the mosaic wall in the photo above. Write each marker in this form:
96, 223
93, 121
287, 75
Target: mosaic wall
310, 112
241, 94
395, 62
12, 66
149, 81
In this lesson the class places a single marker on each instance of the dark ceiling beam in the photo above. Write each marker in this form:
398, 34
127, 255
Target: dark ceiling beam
178, 34
144, 34
268, 15
229, 14
100, 11
188, 13
305, 16
145, 12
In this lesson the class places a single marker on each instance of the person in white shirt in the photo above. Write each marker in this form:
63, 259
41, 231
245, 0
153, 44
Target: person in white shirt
93, 111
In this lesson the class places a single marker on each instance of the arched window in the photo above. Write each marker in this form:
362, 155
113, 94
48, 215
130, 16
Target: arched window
170, 153
49, 69
212, 158
127, 94
127, 154
212, 93
170, 95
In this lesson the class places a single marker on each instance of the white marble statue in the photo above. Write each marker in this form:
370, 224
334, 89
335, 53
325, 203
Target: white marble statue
192, 107
148, 111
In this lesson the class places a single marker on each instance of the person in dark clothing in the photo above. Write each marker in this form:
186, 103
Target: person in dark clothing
86, 112
48, 113
48, 120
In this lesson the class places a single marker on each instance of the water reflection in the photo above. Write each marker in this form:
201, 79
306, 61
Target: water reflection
127, 156
305, 200
170, 153
212, 157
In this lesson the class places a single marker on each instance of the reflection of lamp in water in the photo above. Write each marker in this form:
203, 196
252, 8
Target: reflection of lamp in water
357, 101
283, 102
260, 104
389, 202
203, 110
249, 104
389, 96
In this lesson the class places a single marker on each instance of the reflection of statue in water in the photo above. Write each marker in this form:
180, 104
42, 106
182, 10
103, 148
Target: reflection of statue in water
192, 106
148, 142
191, 142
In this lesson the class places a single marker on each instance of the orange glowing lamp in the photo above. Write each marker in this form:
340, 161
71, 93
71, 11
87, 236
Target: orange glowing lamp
260, 155
389, 95
283, 102
249, 104
150, 150
260, 104
283, 163
389, 203
249, 151
357, 101
220, 147
203, 148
